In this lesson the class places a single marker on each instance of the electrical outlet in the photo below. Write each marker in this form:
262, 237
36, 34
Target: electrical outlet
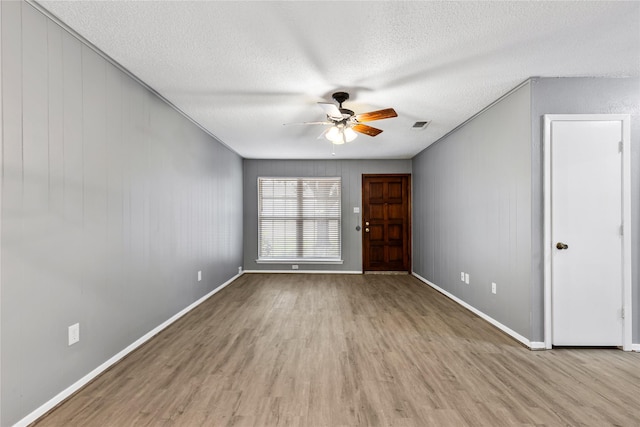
199, 275
74, 333
239, 270
462, 276
493, 288
294, 267
466, 278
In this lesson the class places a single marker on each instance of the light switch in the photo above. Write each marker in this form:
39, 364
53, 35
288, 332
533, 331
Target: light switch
356, 210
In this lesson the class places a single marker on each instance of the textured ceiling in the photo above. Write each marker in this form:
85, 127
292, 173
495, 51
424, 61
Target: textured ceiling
242, 69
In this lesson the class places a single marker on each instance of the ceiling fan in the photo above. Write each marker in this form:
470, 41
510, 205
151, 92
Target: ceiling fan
345, 123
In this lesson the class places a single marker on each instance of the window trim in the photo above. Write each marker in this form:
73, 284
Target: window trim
298, 261
290, 260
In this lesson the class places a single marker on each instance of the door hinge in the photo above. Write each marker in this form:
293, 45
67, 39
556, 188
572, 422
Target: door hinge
622, 230
620, 145
622, 312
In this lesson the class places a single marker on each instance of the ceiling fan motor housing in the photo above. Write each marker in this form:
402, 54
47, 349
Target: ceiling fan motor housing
340, 97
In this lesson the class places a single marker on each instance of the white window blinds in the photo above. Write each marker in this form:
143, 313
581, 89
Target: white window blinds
299, 219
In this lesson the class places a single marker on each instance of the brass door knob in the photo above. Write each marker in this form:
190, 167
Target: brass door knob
366, 229
562, 246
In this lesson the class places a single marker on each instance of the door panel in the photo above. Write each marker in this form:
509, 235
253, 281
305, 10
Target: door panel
386, 214
586, 215
376, 233
376, 191
396, 212
395, 232
395, 192
395, 254
376, 211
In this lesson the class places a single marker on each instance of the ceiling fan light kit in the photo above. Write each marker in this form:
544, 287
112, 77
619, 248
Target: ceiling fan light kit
345, 123
350, 134
335, 135
340, 134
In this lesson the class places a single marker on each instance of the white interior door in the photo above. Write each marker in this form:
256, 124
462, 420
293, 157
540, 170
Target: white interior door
586, 233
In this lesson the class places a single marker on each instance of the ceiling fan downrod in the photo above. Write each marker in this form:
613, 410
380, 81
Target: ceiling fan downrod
340, 97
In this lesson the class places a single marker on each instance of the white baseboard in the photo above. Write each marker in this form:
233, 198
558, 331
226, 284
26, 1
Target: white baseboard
305, 271
635, 347
33, 416
537, 345
532, 345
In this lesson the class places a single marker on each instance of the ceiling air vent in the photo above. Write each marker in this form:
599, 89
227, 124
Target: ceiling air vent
420, 125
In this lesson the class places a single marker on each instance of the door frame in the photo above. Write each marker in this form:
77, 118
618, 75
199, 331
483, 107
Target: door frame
625, 121
409, 216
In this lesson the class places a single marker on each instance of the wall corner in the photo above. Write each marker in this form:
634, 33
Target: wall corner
1, 185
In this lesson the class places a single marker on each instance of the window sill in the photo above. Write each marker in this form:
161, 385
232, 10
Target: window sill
298, 261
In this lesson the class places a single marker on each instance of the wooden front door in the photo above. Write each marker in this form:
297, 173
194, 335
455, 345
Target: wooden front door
386, 237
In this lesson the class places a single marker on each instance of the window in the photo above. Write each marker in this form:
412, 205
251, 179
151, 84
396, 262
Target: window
299, 219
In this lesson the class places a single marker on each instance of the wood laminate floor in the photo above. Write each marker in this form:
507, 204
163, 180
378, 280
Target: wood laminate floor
350, 350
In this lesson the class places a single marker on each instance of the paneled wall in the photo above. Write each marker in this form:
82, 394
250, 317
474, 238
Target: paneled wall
472, 211
351, 172
583, 96
478, 201
111, 203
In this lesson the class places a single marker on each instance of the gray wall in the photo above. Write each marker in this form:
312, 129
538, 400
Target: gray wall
582, 96
472, 190
472, 211
351, 172
111, 202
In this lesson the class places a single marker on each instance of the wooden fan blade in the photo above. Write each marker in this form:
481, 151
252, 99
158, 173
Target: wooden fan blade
367, 130
331, 110
387, 113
